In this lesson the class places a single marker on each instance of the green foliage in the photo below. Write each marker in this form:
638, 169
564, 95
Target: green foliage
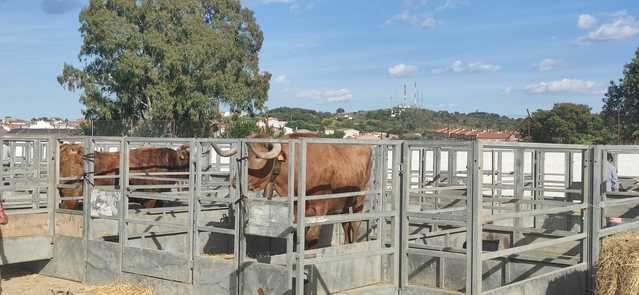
567, 123
410, 121
241, 128
339, 111
621, 103
174, 60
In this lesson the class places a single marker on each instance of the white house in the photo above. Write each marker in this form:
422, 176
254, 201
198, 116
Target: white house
329, 131
272, 122
351, 133
40, 124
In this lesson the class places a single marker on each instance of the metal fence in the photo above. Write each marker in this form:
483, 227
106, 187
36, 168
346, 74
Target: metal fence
439, 217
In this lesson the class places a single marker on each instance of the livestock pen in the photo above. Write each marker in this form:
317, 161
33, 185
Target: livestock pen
440, 217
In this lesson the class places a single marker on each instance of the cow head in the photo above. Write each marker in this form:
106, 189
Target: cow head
71, 160
183, 155
264, 163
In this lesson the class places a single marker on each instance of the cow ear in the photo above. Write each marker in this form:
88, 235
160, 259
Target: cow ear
281, 157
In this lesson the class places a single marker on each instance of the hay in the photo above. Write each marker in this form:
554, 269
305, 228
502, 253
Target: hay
111, 289
618, 271
220, 256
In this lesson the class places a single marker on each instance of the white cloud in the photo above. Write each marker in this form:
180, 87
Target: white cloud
422, 21
474, 67
623, 26
280, 79
586, 21
561, 86
336, 95
508, 90
548, 64
402, 70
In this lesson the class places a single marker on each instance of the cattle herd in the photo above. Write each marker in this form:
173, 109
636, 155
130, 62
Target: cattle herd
330, 169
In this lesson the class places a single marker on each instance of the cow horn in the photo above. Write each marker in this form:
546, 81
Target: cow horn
274, 152
222, 153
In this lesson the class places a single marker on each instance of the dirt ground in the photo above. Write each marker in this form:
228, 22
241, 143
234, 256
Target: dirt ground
17, 281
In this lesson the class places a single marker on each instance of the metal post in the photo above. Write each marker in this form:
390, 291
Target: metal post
398, 198
518, 192
2, 169
87, 187
237, 207
301, 208
35, 163
52, 160
400, 177
378, 176
124, 198
290, 255
598, 157
473, 223
194, 166
242, 206
197, 185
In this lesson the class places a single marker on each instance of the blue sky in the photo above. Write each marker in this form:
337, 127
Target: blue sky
464, 55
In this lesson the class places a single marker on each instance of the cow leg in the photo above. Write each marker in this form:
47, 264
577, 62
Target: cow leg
347, 232
353, 226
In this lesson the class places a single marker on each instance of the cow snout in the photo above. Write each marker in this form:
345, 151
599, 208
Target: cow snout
313, 233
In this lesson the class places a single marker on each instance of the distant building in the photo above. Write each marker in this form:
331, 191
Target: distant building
306, 131
376, 136
41, 124
489, 135
45, 132
351, 133
271, 122
288, 130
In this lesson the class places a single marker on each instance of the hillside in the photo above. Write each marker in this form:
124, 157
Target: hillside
414, 120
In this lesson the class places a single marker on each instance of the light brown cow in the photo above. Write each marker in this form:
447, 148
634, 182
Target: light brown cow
108, 163
330, 168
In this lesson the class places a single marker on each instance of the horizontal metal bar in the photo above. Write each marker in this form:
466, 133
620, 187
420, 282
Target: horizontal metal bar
434, 253
350, 256
534, 213
338, 195
622, 194
604, 232
25, 211
436, 221
158, 196
154, 234
99, 217
440, 188
213, 229
619, 202
158, 186
436, 216
487, 145
339, 218
527, 230
155, 223
529, 247
69, 211
436, 233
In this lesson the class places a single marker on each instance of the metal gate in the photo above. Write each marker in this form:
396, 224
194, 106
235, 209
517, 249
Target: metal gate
27, 194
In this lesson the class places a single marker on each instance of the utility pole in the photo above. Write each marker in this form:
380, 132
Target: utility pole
529, 125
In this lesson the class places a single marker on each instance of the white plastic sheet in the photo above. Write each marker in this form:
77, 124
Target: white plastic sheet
104, 203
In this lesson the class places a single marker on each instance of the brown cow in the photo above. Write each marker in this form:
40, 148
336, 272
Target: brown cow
330, 168
107, 163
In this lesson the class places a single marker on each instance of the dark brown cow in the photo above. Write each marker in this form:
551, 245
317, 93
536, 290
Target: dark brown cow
108, 163
330, 168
